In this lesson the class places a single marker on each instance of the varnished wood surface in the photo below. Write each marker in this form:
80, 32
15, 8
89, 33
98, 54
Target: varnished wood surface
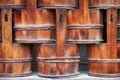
58, 3
37, 28
41, 27
15, 59
52, 65
84, 25
104, 4
13, 4
104, 58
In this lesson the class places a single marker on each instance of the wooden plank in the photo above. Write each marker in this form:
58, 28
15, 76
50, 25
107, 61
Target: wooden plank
112, 32
7, 32
61, 31
60, 37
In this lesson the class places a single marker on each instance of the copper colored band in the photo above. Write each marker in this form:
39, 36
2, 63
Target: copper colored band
58, 76
105, 6
15, 74
13, 6
46, 6
105, 61
85, 41
88, 26
34, 41
104, 75
34, 28
60, 60
16, 60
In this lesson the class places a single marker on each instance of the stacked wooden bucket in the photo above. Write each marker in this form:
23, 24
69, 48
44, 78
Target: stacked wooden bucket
104, 58
59, 27
15, 59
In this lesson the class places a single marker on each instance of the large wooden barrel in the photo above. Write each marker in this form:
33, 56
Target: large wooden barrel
102, 63
13, 3
103, 4
17, 62
83, 32
52, 65
37, 28
58, 3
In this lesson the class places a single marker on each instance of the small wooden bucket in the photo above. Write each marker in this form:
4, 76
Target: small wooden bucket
103, 4
37, 28
91, 32
102, 63
58, 3
13, 3
17, 62
52, 65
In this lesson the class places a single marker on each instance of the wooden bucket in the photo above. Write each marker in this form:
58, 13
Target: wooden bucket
51, 65
13, 3
37, 28
103, 4
102, 63
17, 62
81, 32
58, 3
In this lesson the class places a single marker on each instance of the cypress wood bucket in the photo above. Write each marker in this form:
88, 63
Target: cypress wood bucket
37, 28
89, 31
102, 63
53, 65
17, 62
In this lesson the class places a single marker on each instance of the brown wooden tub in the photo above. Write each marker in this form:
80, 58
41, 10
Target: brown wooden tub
15, 61
34, 35
58, 3
32, 25
52, 65
87, 31
13, 3
103, 4
104, 62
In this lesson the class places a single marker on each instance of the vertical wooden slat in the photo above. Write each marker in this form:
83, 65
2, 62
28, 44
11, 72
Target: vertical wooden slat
112, 32
7, 32
61, 31
60, 36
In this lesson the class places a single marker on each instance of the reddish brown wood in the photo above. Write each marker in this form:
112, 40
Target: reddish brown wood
84, 26
15, 59
103, 58
104, 4
52, 65
58, 3
13, 3
34, 26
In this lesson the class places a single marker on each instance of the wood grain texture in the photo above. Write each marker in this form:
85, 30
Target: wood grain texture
103, 58
37, 28
52, 65
84, 26
58, 3
13, 4
104, 4
15, 59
